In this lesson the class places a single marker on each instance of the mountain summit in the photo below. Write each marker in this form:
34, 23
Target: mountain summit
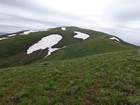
56, 44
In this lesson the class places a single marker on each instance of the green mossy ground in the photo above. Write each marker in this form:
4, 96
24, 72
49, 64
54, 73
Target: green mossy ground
109, 79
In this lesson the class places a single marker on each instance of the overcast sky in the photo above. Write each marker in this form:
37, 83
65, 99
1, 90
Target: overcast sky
117, 17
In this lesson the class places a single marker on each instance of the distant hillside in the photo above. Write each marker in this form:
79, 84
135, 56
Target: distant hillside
1, 33
15, 46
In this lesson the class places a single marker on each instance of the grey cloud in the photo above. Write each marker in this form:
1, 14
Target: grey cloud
124, 10
11, 28
114, 19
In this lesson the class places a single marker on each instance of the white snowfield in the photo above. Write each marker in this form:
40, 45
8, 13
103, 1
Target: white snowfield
81, 35
12, 35
53, 50
32, 31
3, 38
114, 38
63, 28
7, 37
46, 42
27, 32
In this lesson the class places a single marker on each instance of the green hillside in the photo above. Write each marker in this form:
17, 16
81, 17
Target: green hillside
104, 79
13, 50
88, 47
95, 71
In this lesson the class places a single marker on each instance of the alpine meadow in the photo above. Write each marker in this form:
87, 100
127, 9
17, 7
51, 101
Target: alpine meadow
69, 52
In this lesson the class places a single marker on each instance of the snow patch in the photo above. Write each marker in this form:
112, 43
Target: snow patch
12, 35
46, 42
32, 31
63, 28
81, 35
7, 36
3, 38
53, 50
114, 38
27, 32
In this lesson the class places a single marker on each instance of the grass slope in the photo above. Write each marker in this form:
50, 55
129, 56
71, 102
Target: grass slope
88, 47
109, 79
13, 50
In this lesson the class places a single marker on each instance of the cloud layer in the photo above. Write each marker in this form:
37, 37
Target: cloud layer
117, 17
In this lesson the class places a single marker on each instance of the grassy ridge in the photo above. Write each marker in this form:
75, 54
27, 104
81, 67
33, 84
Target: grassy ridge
109, 79
13, 50
88, 47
